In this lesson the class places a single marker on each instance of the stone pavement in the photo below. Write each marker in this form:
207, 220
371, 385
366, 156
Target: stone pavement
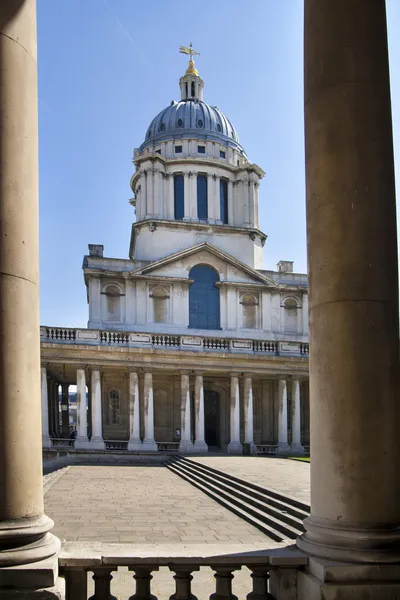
139, 504
288, 477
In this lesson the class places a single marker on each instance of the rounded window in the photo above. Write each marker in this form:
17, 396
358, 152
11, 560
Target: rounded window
162, 127
179, 122
200, 123
219, 128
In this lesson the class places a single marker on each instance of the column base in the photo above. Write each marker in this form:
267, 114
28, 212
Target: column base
96, 443
30, 579
186, 447
283, 449
46, 442
253, 448
149, 446
296, 450
82, 443
349, 542
235, 448
323, 579
135, 445
26, 541
200, 446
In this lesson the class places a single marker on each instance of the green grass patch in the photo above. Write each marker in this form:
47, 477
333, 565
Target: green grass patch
302, 458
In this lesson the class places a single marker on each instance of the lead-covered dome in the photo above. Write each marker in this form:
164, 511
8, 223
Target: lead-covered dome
192, 118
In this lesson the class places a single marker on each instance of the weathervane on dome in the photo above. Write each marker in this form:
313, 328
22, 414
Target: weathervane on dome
191, 70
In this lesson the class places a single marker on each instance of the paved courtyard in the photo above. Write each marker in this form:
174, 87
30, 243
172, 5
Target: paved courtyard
151, 505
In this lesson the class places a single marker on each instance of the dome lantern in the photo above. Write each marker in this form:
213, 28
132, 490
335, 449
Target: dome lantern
191, 83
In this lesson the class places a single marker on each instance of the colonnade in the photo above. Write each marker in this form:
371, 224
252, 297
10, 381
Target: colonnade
155, 197
190, 441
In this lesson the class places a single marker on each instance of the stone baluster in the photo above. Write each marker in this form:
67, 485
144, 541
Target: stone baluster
183, 578
149, 443
143, 579
223, 588
96, 441
283, 446
102, 585
260, 577
46, 441
296, 448
199, 443
186, 444
76, 584
249, 413
134, 443
234, 446
28, 552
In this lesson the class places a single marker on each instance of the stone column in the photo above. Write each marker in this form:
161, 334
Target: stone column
56, 401
149, 443
296, 447
248, 413
352, 254
135, 443
199, 443
143, 196
186, 444
210, 198
96, 441
46, 441
231, 192
64, 410
305, 314
169, 178
150, 193
283, 446
186, 196
234, 446
81, 441
24, 538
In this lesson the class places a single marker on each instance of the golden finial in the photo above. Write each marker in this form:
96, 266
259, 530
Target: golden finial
191, 70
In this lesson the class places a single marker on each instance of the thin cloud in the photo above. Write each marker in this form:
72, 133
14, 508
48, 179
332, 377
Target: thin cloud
126, 33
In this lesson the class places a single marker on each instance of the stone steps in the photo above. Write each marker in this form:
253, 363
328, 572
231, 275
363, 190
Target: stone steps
277, 516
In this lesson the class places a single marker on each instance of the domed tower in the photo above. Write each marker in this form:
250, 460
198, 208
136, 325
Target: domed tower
193, 182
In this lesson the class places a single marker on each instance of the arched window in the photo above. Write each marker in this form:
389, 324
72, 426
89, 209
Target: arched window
179, 197
291, 311
249, 304
223, 200
113, 303
202, 197
115, 407
204, 298
160, 297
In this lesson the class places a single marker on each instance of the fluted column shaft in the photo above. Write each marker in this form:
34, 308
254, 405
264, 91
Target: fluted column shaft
149, 442
134, 416
200, 444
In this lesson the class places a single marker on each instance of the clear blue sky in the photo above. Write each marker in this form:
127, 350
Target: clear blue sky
107, 67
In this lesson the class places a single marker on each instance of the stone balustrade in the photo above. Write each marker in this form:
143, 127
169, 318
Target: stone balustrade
97, 337
267, 449
273, 572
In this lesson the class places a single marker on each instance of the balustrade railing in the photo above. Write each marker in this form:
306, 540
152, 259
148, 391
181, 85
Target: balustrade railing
262, 346
114, 337
56, 441
57, 333
116, 444
168, 446
183, 342
273, 572
216, 343
166, 340
267, 449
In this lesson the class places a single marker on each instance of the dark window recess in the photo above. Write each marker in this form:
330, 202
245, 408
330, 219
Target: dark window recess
201, 149
179, 197
178, 149
158, 151
180, 123
204, 298
200, 123
202, 197
162, 127
186, 87
219, 127
193, 92
222, 154
223, 199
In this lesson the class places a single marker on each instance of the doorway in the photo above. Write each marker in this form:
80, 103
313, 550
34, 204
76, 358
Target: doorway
211, 418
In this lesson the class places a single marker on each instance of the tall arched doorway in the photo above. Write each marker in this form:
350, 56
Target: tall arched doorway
204, 298
211, 418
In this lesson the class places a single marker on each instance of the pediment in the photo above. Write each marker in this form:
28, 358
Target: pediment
179, 264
